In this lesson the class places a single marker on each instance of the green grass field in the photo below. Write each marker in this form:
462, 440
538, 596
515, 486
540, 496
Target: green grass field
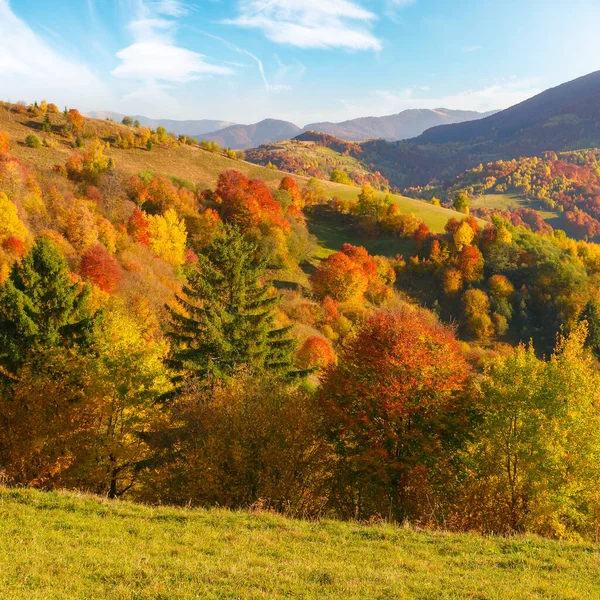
333, 230
510, 201
64, 546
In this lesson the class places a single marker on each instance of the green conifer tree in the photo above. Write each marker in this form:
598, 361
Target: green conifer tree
40, 307
47, 124
224, 323
591, 314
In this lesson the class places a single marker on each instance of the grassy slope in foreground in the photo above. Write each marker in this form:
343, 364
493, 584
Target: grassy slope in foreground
58, 545
199, 166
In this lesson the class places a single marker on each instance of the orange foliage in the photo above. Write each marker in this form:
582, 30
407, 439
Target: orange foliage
392, 397
75, 119
470, 263
137, 227
291, 187
315, 353
4, 141
349, 274
248, 203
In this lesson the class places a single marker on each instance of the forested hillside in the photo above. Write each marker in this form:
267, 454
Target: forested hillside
171, 331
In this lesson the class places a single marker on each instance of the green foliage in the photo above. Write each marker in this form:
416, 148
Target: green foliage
462, 203
128, 121
33, 141
39, 308
224, 323
536, 452
339, 176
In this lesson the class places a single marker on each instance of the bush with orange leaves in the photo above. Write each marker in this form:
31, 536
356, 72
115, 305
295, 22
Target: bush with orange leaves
248, 202
315, 353
396, 409
351, 273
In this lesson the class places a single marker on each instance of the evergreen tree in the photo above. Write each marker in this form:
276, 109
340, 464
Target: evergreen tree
40, 307
591, 314
224, 323
47, 125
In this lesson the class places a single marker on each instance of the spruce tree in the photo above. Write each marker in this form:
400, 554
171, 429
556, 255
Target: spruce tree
224, 321
591, 314
40, 307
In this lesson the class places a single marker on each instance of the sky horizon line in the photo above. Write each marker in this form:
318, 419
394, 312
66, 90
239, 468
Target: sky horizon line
302, 61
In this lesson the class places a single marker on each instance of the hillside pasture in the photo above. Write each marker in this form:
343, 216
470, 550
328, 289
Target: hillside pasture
63, 545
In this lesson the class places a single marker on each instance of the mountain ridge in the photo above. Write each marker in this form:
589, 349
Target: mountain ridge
191, 127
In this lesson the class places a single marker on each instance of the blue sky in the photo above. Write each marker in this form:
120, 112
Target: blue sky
300, 60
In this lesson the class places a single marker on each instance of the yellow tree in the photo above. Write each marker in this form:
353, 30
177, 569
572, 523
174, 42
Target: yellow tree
10, 224
463, 236
168, 237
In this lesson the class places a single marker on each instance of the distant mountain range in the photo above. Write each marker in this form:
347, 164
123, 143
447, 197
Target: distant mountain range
566, 117
242, 137
563, 118
191, 128
406, 124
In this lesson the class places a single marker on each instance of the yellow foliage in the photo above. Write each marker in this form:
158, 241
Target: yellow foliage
107, 234
10, 224
463, 236
81, 227
503, 235
168, 237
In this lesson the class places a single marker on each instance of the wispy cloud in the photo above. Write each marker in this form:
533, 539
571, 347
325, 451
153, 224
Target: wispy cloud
154, 55
310, 23
283, 69
32, 69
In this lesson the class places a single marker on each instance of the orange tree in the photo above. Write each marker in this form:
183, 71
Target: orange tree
395, 409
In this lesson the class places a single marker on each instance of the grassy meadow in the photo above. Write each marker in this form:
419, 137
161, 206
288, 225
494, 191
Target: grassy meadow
58, 545
510, 201
194, 164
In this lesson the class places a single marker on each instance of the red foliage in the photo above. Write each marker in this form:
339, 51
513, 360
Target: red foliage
470, 263
101, 268
93, 193
422, 233
248, 203
137, 226
191, 257
13, 245
398, 386
452, 225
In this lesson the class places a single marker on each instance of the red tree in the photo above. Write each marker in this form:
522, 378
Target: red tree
101, 268
137, 227
394, 405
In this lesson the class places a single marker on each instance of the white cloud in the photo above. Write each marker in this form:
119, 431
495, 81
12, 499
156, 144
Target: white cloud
30, 69
494, 97
310, 23
154, 56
